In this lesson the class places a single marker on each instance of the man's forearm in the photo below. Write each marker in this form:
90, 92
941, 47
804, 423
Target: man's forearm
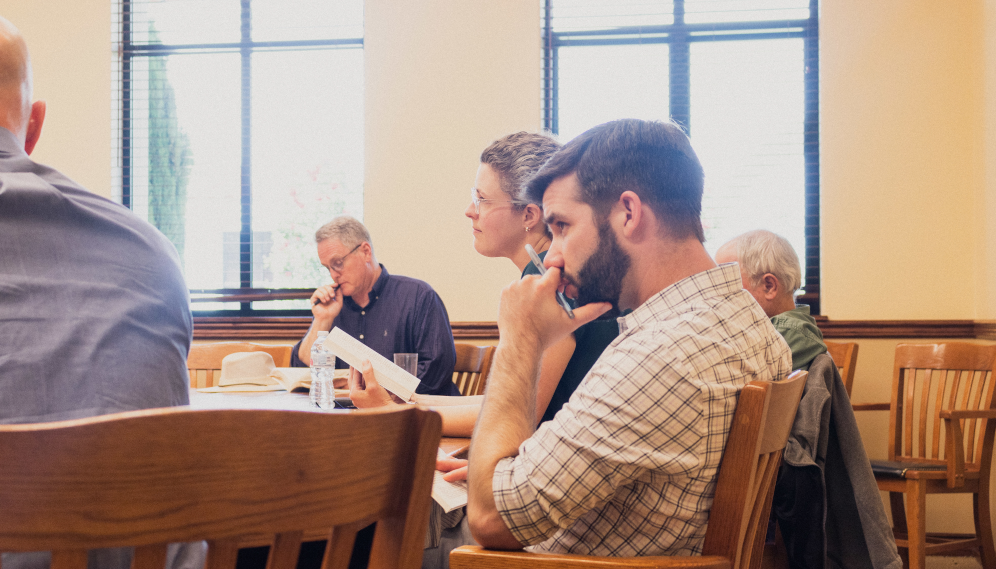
506, 420
459, 414
458, 420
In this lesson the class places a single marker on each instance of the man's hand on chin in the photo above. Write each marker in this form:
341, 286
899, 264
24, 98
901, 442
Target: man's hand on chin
530, 320
529, 311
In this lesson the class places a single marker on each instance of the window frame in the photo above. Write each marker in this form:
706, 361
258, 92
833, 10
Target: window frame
679, 36
245, 295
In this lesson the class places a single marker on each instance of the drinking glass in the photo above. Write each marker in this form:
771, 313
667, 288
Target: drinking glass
407, 362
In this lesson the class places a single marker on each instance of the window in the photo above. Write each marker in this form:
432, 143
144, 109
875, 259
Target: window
741, 76
240, 129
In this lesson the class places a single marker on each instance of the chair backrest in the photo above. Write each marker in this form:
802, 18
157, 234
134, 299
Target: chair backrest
845, 357
745, 486
472, 368
204, 360
147, 478
929, 378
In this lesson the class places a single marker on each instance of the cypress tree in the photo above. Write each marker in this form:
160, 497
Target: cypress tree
170, 157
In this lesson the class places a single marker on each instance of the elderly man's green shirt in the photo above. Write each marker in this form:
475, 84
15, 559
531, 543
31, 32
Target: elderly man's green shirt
801, 334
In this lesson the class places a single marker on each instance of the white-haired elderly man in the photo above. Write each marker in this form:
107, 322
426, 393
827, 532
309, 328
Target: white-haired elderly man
771, 273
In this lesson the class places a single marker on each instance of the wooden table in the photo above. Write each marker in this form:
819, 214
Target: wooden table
283, 401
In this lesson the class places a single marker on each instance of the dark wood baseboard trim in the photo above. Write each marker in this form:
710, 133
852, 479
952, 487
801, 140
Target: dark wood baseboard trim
475, 330
985, 329
293, 328
948, 329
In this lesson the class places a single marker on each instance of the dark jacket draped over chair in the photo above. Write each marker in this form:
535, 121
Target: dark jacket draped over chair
827, 503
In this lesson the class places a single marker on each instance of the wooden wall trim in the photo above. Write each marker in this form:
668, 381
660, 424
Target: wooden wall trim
475, 330
985, 330
246, 328
955, 329
294, 328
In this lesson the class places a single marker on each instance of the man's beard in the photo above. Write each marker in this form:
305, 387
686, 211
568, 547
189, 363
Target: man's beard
600, 278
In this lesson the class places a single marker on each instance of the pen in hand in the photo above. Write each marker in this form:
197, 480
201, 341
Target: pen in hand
561, 298
460, 452
319, 301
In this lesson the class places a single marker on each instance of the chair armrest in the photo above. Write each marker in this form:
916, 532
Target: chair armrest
870, 406
955, 451
968, 414
474, 557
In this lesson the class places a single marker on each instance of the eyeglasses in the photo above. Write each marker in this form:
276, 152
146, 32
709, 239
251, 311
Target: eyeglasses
477, 201
338, 263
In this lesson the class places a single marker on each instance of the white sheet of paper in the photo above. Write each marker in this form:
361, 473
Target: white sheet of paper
389, 376
449, 495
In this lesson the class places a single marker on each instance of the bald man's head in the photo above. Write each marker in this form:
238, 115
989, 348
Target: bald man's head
17, 113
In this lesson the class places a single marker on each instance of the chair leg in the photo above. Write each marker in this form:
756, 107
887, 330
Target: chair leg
899, 523
916, 513
984, 526
898, 512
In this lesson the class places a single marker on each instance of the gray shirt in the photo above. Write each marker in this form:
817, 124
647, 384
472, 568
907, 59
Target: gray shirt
94, 315
94, 311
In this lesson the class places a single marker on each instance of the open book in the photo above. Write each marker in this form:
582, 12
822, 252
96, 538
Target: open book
449, 495
388, 375
292, 378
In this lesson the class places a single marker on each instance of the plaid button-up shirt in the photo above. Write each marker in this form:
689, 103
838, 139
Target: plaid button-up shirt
628, 466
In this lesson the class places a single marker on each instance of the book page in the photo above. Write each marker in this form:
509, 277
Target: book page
449, 495
388, 375
292, 378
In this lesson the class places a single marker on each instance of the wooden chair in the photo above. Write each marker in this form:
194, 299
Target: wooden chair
204, 360
472, 368
146, 478
741, 506
845, 357
941, 439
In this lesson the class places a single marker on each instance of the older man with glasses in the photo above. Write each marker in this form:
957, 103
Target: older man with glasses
389, 313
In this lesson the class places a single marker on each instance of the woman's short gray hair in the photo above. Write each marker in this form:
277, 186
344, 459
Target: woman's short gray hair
517, 157
345, 229
760, 252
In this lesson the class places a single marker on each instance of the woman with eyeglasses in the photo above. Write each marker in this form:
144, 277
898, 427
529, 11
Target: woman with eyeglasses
503, 222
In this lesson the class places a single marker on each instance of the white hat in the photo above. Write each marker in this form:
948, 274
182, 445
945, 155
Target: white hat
255, 371
247, 368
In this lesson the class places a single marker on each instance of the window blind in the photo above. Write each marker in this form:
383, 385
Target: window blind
239, 130
741, 76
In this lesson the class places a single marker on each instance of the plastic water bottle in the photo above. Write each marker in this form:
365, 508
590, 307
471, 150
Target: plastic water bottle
322, 369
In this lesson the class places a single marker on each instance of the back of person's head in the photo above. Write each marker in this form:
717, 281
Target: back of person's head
761, 252
345, 229
651, 158
15, 78
516, 158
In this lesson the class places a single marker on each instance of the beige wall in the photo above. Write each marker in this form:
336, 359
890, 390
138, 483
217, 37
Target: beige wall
986, 217
443, 79
901, 158
70, 43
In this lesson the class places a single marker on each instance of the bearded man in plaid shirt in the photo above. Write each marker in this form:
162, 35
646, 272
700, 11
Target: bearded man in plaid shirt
628, 466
